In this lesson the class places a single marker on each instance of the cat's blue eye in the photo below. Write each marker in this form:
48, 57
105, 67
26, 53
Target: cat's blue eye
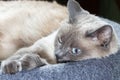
76, 51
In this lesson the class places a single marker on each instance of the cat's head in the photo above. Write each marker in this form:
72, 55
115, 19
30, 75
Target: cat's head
84, 36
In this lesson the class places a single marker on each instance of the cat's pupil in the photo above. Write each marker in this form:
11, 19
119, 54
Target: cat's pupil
75, 51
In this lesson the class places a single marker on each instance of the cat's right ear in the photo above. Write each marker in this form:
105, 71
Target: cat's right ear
74, 10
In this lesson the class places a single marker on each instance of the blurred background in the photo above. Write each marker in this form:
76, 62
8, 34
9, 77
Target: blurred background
105, 8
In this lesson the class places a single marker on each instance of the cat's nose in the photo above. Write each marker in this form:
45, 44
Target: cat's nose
58, 54
58, 58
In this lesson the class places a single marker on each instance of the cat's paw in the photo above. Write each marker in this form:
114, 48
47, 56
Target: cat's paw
11, 66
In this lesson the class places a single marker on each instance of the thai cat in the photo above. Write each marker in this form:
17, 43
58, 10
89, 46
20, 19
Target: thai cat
37, 29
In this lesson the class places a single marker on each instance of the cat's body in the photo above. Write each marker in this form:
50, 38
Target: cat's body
22, 23
81, 36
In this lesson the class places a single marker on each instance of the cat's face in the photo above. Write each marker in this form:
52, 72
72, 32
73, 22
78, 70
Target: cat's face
84, 36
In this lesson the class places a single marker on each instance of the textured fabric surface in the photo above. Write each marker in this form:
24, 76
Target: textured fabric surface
93, 69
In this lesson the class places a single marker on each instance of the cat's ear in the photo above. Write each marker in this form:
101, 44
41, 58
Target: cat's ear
103, 35
74, 10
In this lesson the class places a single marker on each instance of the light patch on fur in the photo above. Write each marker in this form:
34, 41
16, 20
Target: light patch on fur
20, 66
2, 66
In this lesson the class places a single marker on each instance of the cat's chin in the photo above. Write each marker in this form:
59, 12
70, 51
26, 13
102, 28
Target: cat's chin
64, 61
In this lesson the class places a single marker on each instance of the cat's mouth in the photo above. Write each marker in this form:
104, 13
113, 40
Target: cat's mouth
62, 60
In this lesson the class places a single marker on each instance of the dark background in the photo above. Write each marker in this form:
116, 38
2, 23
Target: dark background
105, 8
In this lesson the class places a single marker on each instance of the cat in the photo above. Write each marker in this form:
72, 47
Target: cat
50, 34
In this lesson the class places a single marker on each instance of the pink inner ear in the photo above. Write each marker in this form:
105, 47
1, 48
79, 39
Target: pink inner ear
104, 34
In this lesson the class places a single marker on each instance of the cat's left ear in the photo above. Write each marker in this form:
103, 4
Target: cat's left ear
74, 10
103, 35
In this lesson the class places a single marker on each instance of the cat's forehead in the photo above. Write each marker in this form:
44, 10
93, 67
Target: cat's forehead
84, 24
90, 22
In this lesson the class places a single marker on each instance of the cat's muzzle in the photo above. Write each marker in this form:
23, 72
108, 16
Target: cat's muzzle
61, 59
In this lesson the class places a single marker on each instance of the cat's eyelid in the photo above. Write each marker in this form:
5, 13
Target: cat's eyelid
59, 40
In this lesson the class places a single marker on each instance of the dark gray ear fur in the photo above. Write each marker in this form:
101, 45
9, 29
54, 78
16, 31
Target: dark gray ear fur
103, 35
74, 10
